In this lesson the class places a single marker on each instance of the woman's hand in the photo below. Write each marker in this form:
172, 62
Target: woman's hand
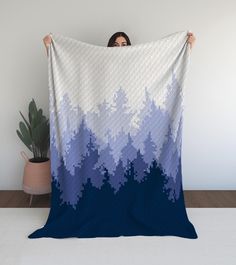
191, 39
47, 41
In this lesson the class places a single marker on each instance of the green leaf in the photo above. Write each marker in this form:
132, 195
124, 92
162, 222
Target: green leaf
27, 123
40, 113
25, 133
32, 111
23, 140
38, 118
40, 133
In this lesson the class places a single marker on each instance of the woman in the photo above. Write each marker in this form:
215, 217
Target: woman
118, 39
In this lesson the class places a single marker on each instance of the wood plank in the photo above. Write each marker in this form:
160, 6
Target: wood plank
193, 199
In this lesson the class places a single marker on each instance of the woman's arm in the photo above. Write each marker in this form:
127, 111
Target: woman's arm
47, 41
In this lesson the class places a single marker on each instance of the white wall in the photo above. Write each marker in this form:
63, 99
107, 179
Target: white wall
209, 136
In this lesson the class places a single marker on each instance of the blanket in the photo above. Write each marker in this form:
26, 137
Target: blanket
116, 120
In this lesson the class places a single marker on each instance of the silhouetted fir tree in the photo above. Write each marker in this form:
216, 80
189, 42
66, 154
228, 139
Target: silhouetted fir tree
140, 167
85, 134
54, 156
118, 178
63, 112
128, 152
110, 208
173, 186
122, 113
149, 149
98, 200
106, 159
70, 186
107, 191
146, 109
153, 187
89, 203
88, 164
127, 192
61, 174
77, 146
169, 159
104, 110
172, 100
117, 143
99, 120
153, 122
170, 189
157, 176
151, 204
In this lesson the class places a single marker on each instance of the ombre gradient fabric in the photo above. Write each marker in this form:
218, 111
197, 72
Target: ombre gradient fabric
116, 119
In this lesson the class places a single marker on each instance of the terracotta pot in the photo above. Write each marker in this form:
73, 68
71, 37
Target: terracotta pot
37, 176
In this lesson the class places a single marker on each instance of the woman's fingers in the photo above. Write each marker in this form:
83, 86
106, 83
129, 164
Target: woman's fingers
191, 39
47, 40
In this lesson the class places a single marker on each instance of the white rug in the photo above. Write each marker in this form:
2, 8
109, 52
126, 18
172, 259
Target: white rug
216, 244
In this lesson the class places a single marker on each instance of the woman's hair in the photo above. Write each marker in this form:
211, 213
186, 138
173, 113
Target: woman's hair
113, 38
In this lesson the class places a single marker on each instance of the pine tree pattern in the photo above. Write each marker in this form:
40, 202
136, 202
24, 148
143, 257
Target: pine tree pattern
99, 149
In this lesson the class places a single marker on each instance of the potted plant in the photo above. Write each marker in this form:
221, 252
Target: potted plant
34, 133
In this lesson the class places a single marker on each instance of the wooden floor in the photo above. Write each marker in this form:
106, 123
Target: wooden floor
193, 199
